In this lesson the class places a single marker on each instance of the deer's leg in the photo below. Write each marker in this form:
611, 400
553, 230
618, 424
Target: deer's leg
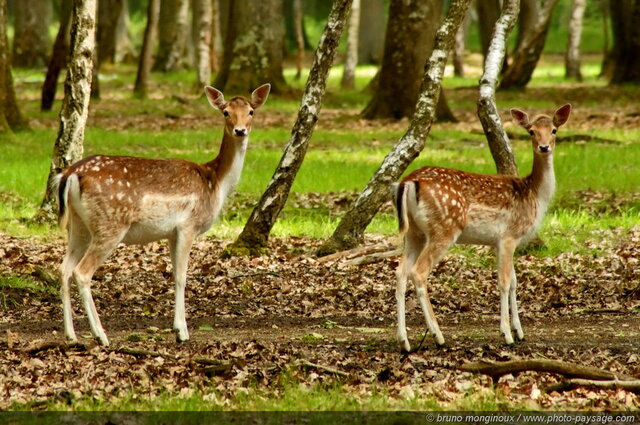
412, 247
505, 269
180, 246
79, 238
515, 318
99, 249
436, 246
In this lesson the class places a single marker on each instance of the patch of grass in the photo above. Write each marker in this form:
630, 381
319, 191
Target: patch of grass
25, 283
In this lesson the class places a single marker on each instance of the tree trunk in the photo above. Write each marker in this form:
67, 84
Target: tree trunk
145, 60
68, 147
10, 117
31, 41
607, 68
58, 57
527, 19
351, 56
350, 231
460, 47
410, 34
298, 24
202, 16
526, 57
216, 37
173, 35
371, 32
255, 234
625, 23
488, 12
572, 58
109, 12
487, 109
125, 52
254, 47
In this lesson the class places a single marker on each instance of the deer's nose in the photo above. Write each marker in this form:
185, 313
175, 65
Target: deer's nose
240, 131
544, 149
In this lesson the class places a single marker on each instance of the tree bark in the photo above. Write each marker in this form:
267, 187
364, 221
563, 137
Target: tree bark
202, 17
527, 19
254, 47
371, 33
487, 110
606, 69
488, 13
298, 21
68, 147
625, 24
526, 57
31, 41
58, 57
109, 12
125, 52
10, 117
350, 231
216, 37
460, 46
351, 56
173, 34
572, 58
145, 60
255, 234
409, 40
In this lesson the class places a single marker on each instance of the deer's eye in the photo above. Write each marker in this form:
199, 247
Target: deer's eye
531, 132
251, 113
554, 131
225, 113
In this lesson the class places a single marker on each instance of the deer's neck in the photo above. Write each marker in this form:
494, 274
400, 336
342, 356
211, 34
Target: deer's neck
542, 179
227, 166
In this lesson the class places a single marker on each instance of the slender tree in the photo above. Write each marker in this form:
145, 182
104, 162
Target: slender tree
10, 117
487, 110
58, 58
69, 144
202, 16
254, 47
145, 59
349, 232
572, 57
351, 57
172, 35
109, 12
298, 21
460, 46
488, 13
526, 57
255, 234
216, 37
527, 19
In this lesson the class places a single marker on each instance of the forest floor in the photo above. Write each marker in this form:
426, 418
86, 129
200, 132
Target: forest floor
263, 318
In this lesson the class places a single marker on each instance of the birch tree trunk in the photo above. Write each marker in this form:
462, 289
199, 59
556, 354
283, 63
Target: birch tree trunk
10, 117
351, 58
202, 16
255, 234
145, 60
487, 110
68, 147
526, 57
350, 231
572, 58
58, 57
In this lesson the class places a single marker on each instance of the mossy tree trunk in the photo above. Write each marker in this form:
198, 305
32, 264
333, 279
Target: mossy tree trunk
350, 230
255, 234
68, 147
487, 110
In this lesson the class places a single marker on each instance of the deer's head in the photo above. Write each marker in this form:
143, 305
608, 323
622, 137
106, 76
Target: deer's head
542, 128
238, 111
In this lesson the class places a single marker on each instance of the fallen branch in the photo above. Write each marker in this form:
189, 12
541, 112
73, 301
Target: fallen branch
571, 370
308, 365
571, 384
355, 253
372, 258
39, 346
137, 352
219, 369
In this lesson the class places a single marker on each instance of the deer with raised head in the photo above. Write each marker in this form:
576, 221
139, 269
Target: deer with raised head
438, 207
105, 200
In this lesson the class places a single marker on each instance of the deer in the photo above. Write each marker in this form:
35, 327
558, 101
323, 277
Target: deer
105, 200
438, 207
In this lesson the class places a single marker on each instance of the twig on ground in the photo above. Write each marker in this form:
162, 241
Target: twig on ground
615, 384
309, 365
355, 252
372, 258
39, 346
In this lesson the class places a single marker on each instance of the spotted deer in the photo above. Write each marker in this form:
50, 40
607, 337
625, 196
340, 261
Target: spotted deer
438, 207
105, 200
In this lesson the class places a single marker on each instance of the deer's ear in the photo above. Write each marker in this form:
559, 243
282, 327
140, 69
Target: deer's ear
259, 95
215, 97
521, 118
562, 115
